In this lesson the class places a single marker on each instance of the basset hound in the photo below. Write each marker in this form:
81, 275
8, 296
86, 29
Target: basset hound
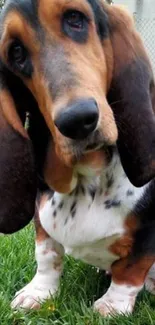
80, 71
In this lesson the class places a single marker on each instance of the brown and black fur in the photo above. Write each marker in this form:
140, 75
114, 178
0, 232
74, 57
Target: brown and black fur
108, 62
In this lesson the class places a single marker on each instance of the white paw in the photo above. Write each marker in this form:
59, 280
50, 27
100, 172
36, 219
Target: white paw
107, 306
119, 299
103, 307
32, 296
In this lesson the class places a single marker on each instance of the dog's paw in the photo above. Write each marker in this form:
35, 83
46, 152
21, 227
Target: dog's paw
32, 296
119, 299
107, 306
103, 307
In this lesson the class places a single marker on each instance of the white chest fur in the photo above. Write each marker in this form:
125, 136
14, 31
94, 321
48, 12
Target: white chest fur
88, 220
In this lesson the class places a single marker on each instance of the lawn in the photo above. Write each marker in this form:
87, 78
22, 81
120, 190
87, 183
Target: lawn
80, 286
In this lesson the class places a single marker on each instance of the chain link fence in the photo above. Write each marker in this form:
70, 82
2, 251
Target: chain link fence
1, 3
146, 27
144, 15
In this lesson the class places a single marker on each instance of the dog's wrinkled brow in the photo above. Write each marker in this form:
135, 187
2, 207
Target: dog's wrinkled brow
29, 10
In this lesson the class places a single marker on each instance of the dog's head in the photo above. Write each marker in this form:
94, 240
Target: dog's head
87, 82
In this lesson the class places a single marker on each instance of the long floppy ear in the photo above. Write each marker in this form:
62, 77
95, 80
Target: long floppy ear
17, 165
131, 98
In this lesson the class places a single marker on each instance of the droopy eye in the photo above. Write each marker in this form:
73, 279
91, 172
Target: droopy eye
17, 54
19, 59
75, 19
75, 25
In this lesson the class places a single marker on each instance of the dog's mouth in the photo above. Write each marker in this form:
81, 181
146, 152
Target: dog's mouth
93, 143
94, 147
97, 142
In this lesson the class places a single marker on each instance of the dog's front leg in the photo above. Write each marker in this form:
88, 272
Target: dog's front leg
49, 255
128, 278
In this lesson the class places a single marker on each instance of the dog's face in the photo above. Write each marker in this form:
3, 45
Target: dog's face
63, 53
87, 71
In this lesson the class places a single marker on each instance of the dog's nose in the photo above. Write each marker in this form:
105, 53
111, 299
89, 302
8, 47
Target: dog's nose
78, 120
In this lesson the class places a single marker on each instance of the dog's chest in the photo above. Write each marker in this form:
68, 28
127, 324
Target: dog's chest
89, 220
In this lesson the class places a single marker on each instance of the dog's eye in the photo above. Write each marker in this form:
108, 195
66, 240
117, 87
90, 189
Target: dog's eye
19, 59
75, 25
17, 54
75, 19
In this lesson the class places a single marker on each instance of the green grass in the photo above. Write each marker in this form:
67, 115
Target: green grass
80, 286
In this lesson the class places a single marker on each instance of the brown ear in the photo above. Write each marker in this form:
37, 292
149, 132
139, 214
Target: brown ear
17, 167
131, 98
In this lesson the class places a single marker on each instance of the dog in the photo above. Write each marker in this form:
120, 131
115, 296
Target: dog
81, 72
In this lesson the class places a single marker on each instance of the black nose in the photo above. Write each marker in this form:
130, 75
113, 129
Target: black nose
78, 120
